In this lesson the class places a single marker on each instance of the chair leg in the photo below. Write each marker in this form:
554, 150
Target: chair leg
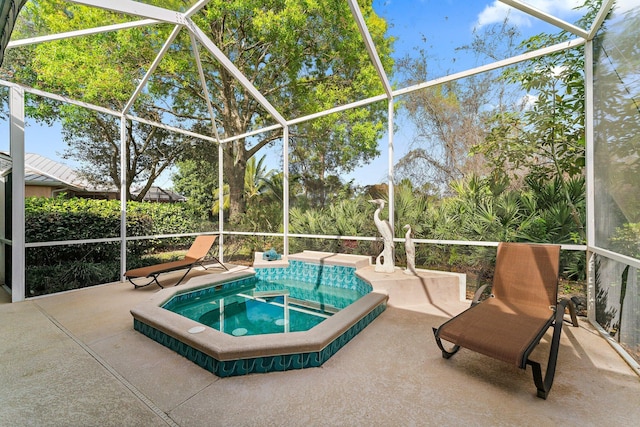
544, 385
445, 353
218, 261
155, 279
201, 263
182, 278
571, 303
136, 286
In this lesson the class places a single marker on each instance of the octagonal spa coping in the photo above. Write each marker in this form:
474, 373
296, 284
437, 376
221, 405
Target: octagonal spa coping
227, 355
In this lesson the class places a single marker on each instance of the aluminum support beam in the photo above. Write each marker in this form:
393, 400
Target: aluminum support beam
116, 113
205, 90
195, 8
123, 196
16, 148
60, 98
493, 66
600, 17
392, 203
338, 109
370, 45
617, 257
530, 10
80, 33
152, 68
171, 128
252, 133
285, 189
589, 142
221, 200
129, 7
234, 71
590, 177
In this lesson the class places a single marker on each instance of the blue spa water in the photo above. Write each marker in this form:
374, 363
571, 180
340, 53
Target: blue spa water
273, 301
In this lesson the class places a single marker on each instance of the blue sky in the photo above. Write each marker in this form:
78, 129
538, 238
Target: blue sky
440, 26
448, 24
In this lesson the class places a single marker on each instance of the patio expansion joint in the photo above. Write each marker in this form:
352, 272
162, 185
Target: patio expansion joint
196, 393
137, 393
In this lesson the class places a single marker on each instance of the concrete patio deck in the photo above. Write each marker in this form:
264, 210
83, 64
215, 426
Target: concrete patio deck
73, 359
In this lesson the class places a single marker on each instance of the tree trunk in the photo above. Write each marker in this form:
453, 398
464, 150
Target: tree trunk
235, 164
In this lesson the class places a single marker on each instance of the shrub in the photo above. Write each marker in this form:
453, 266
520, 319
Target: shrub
78, 219
56, 268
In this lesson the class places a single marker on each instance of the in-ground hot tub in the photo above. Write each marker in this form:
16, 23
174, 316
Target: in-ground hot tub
203, 340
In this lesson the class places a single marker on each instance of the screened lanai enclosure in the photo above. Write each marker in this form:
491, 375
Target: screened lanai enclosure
279, 121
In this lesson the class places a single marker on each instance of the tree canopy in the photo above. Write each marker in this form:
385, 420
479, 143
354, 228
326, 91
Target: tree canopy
304, 56
101, 69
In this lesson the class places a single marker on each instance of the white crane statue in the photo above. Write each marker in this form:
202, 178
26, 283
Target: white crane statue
385, 229
410, 249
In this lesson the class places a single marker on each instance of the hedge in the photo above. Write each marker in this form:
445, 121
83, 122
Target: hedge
55, 268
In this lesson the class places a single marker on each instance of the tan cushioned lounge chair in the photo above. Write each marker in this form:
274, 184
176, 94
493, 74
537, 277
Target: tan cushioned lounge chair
196, 254
523, 305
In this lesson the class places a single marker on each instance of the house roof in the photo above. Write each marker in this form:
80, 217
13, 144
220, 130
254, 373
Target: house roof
47, 170
40, 170
157, 194
5, 163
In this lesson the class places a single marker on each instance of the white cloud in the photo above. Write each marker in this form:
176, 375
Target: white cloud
626, 5
498, 11
528, 101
